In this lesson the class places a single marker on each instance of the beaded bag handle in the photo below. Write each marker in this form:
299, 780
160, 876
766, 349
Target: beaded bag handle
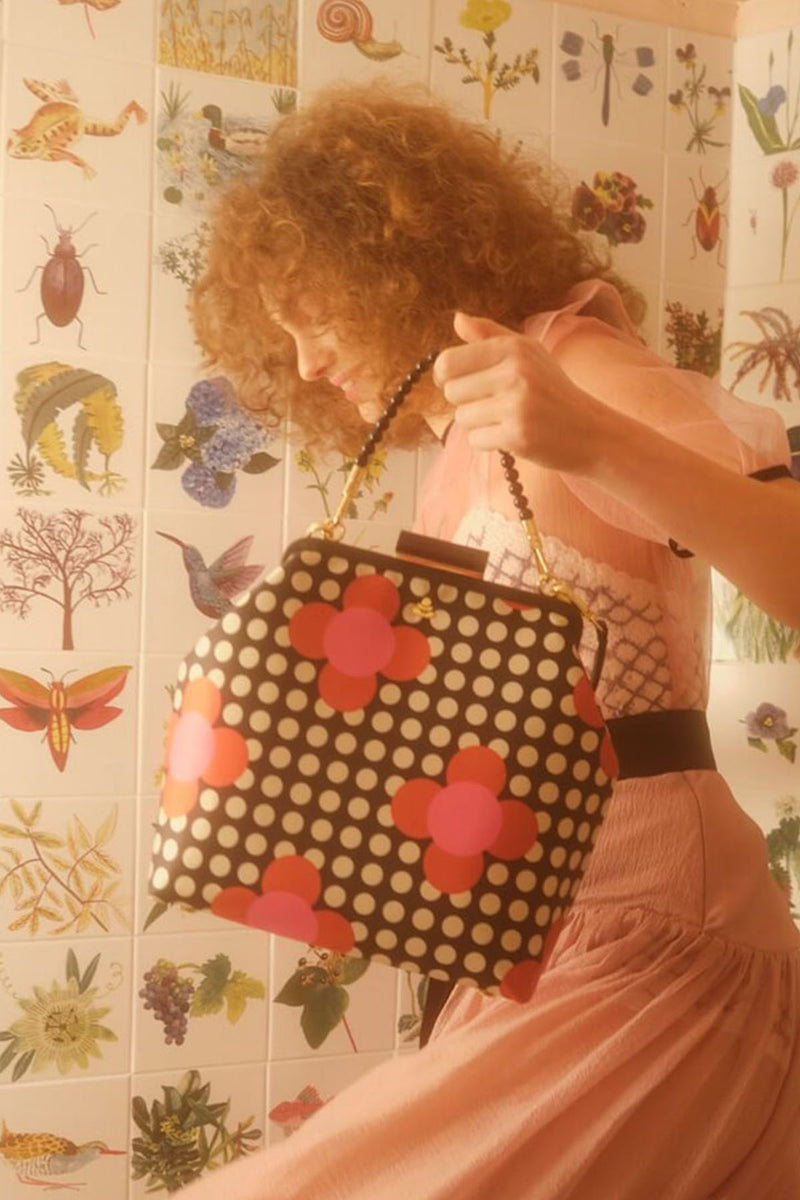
549, 583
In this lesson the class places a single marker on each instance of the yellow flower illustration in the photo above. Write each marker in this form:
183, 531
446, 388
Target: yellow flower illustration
485, 15
61, 1027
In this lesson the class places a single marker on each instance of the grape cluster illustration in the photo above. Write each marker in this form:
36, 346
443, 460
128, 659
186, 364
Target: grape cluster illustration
169, 996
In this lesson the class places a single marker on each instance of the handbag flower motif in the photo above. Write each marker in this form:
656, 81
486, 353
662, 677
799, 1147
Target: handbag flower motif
360, 642
465, 819
588, 711
290, 887
196, 749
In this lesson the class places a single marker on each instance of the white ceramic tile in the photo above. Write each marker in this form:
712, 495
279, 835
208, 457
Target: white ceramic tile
98, 760
69, 579
765, 240
108, 168
699, 72
368, 1023
91, 1117
214, 1139
114, 30
621, 100
382, 37
697, 226
103, 251
263, 48
509, 98
66, 868
180, 239
738, 690
691, 327
76, 1022
298, 1088
182, 600
743, 632
765, 70
411, 990
243, 494
91, 449
223, 975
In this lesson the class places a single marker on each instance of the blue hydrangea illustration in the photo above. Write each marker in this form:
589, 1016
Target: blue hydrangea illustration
235, 441
208, 401
200, 482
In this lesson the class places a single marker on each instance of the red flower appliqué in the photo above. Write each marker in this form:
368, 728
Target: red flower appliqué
359, 642
465, 819
520, 982
196, 749
587, 710
290, 887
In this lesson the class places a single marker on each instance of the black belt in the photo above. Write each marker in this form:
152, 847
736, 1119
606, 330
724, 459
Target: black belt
650, 743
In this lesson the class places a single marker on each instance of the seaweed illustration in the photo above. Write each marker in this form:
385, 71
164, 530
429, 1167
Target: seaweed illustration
63, 882
777, 352
44, 392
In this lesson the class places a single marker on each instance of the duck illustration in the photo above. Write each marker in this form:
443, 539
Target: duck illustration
243, 141
37, 1158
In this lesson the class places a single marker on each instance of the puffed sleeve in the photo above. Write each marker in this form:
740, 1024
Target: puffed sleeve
610, 363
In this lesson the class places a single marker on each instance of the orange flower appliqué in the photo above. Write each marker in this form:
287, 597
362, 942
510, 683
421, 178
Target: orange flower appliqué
290, 887
359, 642
464, 819
196, 750
588, 711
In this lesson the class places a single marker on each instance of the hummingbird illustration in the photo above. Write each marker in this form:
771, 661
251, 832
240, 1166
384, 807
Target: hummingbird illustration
213, 587
38, 1157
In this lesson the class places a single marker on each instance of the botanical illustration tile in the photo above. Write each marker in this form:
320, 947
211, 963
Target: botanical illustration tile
610, 78
181, 238
297, 1089
744, 633
316, 483
98, 151
75, 279
761, 347
66, 867
159, 679
90, 748
754, 714
71, 1135
255, 40
356, 40
200, 999
766, 115
198, 566
765, 229
72, 431
320, 998
697, 231
700, 93
69, 579
186, 1123
493, 61
411, 993
691, 327
779, 819
65, 1009
205, 451
107, 28
152, 914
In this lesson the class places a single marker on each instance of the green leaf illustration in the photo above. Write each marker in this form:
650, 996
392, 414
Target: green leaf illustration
239, 989
296, 991
170, 456
258, 463
158, 910
351, 969
787, 749
757, 744
764, 127
210, 995
323, 1011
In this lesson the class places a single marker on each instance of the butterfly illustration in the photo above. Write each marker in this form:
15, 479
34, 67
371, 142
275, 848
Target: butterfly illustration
61, 707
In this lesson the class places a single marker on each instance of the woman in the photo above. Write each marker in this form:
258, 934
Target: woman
660, 1056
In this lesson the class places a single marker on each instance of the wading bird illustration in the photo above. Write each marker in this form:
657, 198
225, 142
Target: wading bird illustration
38, 1158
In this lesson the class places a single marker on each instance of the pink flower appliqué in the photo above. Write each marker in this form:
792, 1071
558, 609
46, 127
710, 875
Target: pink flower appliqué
465, 819
290, 887
359, 642
196, 750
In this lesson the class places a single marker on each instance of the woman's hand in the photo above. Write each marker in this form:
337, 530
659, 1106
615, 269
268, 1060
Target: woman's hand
510, 394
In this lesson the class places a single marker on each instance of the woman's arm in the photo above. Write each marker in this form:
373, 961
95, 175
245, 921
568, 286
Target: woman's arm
511, 394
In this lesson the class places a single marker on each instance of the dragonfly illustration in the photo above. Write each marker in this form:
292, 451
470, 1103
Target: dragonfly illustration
61, 707
604, 55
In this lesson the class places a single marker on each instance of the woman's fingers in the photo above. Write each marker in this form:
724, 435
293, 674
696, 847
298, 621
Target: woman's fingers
488, 410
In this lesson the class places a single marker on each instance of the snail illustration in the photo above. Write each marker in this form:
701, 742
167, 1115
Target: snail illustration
351, 21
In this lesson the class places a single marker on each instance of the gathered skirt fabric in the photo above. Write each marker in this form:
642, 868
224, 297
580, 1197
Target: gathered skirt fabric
658, 1060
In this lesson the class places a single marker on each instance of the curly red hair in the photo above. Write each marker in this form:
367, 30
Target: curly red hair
392, 214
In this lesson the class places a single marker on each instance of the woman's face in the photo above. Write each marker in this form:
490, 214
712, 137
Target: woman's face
322, 354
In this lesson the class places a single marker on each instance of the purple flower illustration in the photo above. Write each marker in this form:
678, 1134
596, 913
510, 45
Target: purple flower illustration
768, 105
769, 723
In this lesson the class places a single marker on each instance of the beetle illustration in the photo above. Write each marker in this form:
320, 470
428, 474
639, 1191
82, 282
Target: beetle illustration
63, 280
708, 217
61, 707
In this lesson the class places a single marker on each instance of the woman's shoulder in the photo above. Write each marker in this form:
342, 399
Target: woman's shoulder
593, 308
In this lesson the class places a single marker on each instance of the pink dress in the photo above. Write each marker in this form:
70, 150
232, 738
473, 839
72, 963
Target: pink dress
660, 1056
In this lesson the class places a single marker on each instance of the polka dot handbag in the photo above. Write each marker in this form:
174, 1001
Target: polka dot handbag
388, 756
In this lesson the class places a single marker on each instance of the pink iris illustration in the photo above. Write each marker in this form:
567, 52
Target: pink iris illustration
290, 887
197, 750
465, 819
360, 642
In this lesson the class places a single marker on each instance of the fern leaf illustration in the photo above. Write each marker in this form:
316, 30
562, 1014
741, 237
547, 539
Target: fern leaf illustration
57, 393
29, 379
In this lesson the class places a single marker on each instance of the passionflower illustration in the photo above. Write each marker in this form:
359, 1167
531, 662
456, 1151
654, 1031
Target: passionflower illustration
465, 819
290, 887
360, 642
61, 1027
198, 750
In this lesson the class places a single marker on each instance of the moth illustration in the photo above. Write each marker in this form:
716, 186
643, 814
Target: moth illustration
61, 707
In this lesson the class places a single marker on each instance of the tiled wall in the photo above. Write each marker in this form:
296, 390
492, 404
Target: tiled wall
121, 118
